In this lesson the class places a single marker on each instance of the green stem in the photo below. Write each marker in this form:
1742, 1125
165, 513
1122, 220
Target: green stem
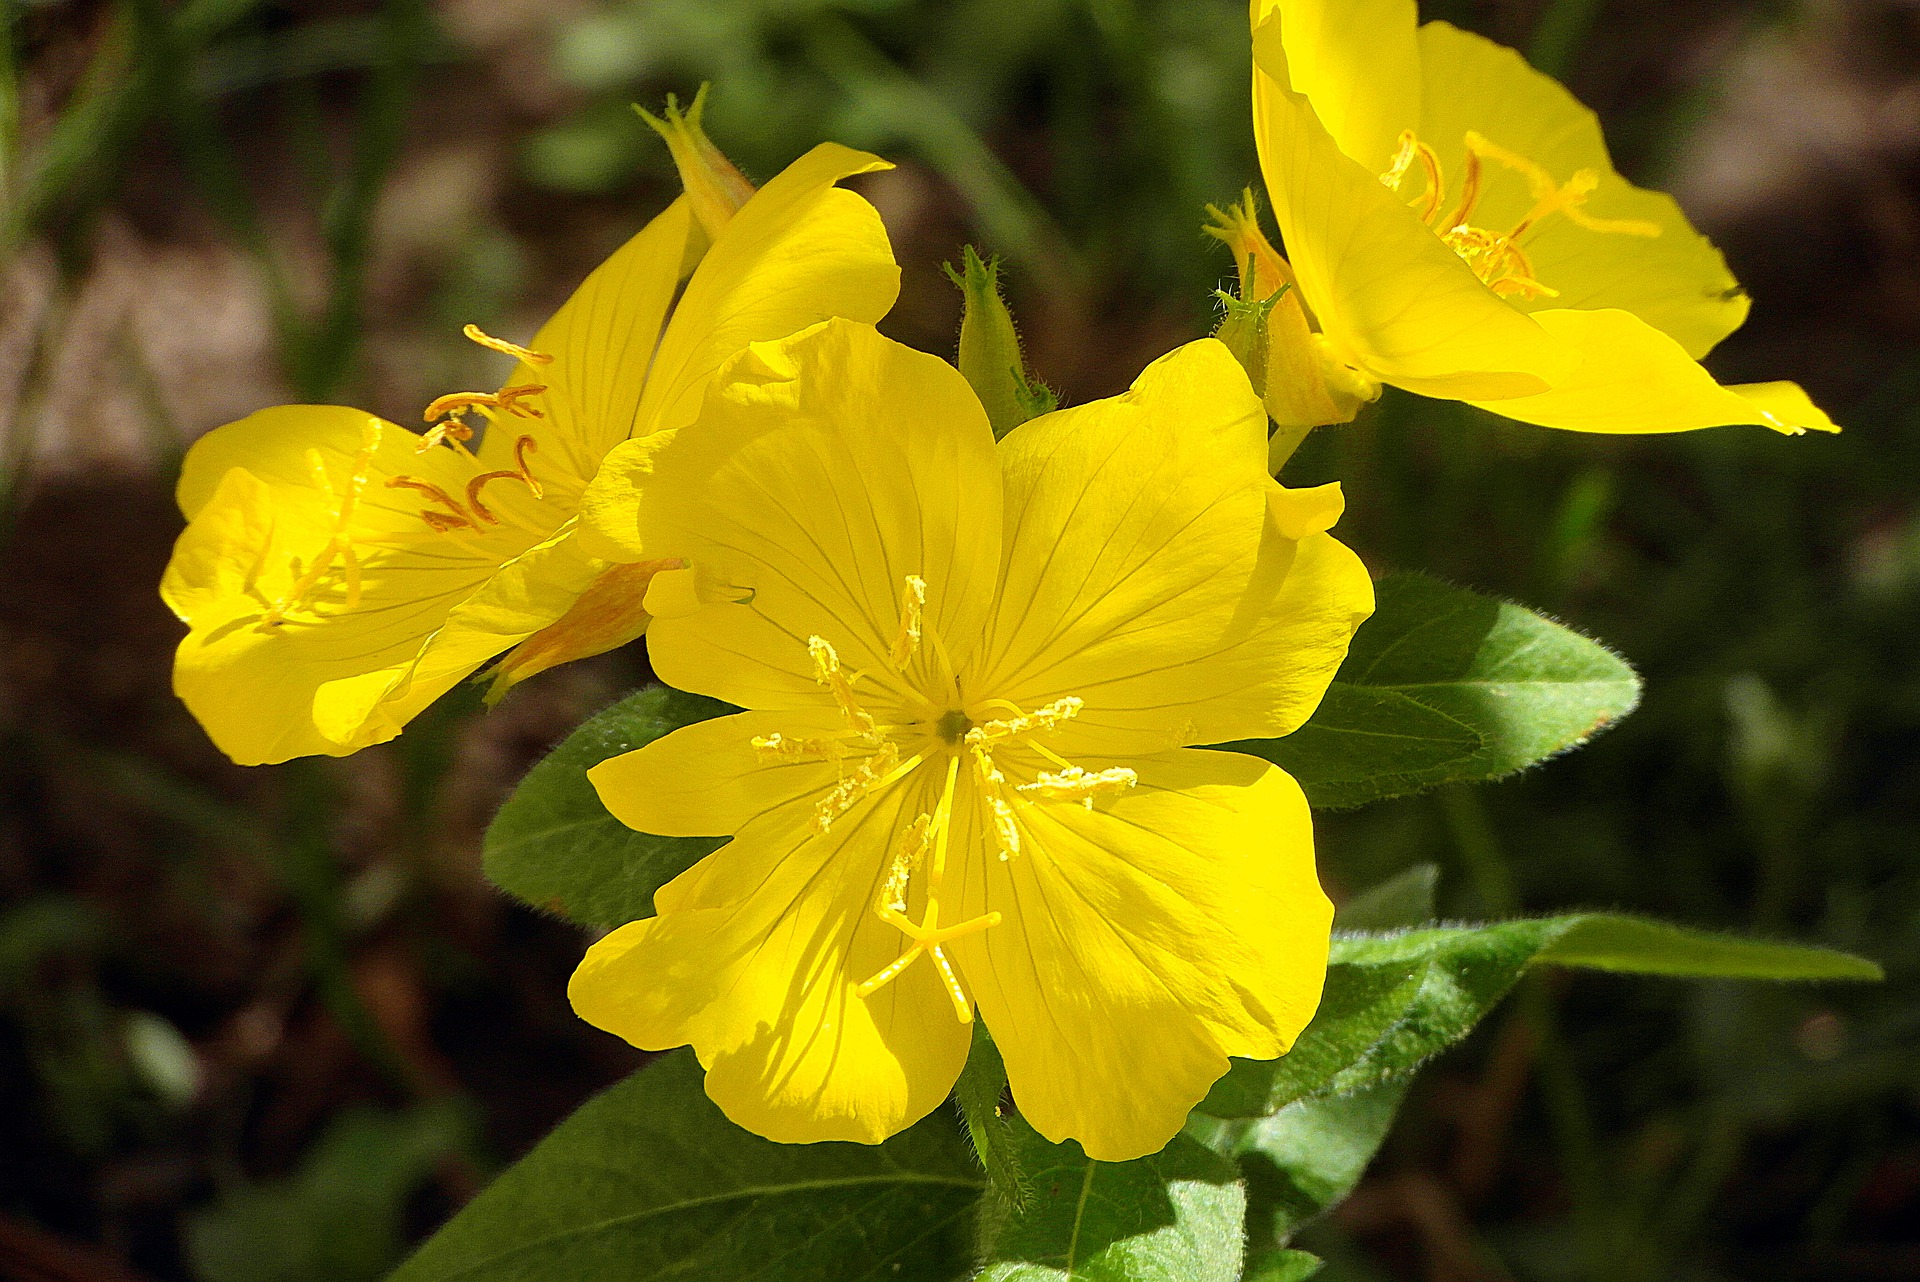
1466, 817
1561, 1090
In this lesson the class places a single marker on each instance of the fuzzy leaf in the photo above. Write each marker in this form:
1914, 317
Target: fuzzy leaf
1176, 1216
1443, 685
555, 846
1394, 999
650, 1180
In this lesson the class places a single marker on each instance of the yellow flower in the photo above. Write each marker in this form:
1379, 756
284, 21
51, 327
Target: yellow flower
972, 677
339, 573
1456, 228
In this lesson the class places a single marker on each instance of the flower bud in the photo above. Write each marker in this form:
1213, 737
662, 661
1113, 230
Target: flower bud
715, 189
990, 348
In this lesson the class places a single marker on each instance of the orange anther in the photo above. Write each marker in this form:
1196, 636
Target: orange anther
505, 348
455, 517
521, 448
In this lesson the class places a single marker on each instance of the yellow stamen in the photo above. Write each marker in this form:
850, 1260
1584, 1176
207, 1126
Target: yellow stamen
877, 771
1075, 784
913, 602
1469, 193
507, 398
907, 854
926, 935
1436, 182
1023, 724
451, 431
777, 747
1404, 150
826, 670
505, 348
339, 544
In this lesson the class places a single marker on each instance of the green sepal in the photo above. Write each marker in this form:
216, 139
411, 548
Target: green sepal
979, 1094
1243, 328
990, 357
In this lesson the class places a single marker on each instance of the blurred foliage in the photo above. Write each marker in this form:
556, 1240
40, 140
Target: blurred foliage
200, 968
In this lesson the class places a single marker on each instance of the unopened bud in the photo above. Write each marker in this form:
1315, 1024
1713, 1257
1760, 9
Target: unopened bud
990, 356
715, 189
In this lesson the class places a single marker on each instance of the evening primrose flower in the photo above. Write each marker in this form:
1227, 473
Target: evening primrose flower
964, 779
1454, 226
339, 573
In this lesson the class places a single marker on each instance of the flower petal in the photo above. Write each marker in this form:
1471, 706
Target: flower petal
1156, 571
800, 251
1145, 941
1633, 378
1389, 295
602, 342
763, 985
1357, 63
1677, 281
824, 469
258, 515
519, 599
706, 779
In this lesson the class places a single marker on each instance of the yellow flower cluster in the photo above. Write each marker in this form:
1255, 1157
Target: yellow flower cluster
976, 676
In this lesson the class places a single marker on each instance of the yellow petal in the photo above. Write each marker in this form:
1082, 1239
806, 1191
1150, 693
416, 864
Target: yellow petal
824, 469
1145, 941
1677, 282
251, 690
610, 512
602, 342
608, 615
708, 779
762, 986
519, 599
1633, 378
260, 521
1357, 63
800, 251
1391, 298
1156, 571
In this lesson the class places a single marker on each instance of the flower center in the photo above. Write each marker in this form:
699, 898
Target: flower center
967, 737
1496, 257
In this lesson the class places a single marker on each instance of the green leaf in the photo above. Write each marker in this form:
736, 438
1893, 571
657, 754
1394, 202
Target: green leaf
340, 1217
1392, 1000
650, 1180
1306, 1158
1284, 1266
554, 845
1443, 685
1176, 1216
